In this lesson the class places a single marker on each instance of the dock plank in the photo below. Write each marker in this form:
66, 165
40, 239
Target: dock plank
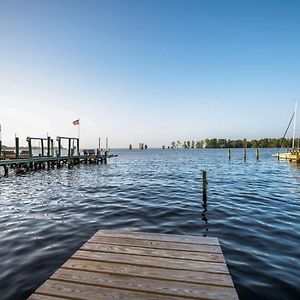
45, 297
160, 237
91, 292
156, 244
135, 265
167, 263
209, 257
150, 272
165, 287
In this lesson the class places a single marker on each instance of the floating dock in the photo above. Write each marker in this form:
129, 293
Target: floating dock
136, 265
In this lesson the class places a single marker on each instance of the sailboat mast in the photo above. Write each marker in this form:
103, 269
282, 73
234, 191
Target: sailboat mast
294, 129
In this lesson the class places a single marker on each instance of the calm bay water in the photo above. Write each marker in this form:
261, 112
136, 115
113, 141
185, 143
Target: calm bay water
253, 208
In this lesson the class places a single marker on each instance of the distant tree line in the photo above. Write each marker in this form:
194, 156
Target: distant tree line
224, 143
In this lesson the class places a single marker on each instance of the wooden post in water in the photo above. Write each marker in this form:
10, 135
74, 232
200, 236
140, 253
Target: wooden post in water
69, 147
48, 146
0, 146
229, 154
106, 151
78, 151
29, 146
204, 189
69, 153
52, 148
245, 153
42, 145
17, 148
48, 151
5, 170
257, 154
59, 146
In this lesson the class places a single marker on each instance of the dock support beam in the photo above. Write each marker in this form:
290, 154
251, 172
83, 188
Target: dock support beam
5, 170
48, 146
42, 145
245, 154
59, 146
29, 146
69, 153
257, 154
52, 148
78, 151
17, 148
229, 154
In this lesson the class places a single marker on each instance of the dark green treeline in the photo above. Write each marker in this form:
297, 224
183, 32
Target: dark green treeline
224, 143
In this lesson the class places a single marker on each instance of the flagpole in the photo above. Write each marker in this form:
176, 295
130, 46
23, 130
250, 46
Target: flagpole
0, 140
78, 129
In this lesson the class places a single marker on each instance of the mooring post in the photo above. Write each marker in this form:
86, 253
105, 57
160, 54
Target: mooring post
0, 146
229, 154
5, 170
69, 147
204, 189
17, 148
48, 150
78, 151
257, 154
42, 145
59, 146
52, 148
48, 146
29, 146
245, 153
69, 152
105, 157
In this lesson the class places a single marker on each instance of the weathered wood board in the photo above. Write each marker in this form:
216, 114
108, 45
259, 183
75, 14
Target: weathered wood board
136, 265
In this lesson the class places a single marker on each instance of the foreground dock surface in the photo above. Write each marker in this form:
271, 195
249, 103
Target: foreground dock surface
136, 265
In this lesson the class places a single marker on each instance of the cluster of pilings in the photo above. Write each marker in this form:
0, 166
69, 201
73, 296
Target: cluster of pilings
245, 154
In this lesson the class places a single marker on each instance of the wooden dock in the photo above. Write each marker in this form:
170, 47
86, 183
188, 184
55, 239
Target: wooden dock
134, 265
25, 160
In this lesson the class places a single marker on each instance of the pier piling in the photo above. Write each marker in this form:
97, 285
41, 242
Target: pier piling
17, 148
257, 154
245, 154
229, 154
204, 189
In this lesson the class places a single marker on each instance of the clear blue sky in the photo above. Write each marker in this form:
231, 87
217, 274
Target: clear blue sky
148, 71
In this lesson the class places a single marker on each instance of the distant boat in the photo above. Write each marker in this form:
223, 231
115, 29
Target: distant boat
292, 154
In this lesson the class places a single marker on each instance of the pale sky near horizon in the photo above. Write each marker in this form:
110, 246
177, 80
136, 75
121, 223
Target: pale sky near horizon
148, 71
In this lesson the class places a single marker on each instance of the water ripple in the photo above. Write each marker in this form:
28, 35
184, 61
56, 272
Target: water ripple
253, 208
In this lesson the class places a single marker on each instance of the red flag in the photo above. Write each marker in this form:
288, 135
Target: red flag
76, 122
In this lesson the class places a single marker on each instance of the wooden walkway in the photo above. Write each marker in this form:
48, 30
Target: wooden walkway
134, 265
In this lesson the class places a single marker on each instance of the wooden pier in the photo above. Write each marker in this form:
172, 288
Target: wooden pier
25, 161
133, 265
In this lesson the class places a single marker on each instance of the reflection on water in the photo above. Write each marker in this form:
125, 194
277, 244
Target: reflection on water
253, 209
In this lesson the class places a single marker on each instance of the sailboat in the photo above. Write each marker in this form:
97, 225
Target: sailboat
292, 154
